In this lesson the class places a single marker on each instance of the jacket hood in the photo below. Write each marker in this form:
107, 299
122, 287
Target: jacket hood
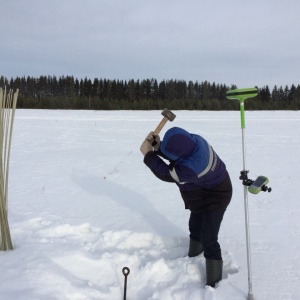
177, 143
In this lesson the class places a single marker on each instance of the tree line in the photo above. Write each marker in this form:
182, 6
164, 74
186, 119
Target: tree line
67, 92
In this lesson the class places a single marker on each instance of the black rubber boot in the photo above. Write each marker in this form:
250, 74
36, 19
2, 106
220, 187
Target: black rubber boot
196, 248
213, 271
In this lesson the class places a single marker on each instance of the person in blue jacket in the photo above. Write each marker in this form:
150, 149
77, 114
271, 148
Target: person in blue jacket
204, 184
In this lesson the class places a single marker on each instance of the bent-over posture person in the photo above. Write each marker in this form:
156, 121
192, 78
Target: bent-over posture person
204, 184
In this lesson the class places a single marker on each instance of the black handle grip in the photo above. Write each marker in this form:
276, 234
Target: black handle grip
154, 142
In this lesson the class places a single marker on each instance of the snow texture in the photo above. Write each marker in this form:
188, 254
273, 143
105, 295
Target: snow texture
82, 205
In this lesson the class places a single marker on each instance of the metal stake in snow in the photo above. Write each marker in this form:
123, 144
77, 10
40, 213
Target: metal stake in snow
241, 95
125, 272
8, 104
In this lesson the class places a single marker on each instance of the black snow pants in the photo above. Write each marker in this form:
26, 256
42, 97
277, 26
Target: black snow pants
204, 227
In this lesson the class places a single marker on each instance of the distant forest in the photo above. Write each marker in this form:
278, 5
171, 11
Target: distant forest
67, 92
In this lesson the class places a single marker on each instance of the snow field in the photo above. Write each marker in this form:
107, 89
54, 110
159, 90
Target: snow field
82, 205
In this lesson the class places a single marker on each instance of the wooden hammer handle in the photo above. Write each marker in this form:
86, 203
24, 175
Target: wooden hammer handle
161, 125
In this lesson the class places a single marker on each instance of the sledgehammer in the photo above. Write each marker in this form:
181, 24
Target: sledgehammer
168, 116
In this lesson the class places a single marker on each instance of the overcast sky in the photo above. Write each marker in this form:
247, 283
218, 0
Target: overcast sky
247, 43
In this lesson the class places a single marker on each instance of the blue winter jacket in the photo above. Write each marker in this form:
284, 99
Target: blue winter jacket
194, 166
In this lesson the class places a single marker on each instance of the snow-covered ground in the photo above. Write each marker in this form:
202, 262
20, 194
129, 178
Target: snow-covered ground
82, 205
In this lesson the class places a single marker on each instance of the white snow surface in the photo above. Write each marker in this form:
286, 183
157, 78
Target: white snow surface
82, 205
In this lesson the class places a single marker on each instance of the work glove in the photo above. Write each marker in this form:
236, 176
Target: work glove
146, 147
154, 140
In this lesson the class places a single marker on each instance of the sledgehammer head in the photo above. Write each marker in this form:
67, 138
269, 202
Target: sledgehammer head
168, 114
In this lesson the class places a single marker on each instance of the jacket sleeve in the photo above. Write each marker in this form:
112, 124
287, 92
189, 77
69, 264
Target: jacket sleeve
161, 154
159, 168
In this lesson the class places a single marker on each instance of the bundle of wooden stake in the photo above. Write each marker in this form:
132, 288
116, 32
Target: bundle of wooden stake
8, 102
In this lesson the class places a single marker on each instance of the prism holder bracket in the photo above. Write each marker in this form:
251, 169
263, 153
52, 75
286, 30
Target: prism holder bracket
257, 185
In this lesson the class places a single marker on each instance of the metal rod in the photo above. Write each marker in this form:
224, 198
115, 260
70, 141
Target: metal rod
125, 272
250, 292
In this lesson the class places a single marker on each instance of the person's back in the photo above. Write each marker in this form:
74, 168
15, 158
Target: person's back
195, 163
